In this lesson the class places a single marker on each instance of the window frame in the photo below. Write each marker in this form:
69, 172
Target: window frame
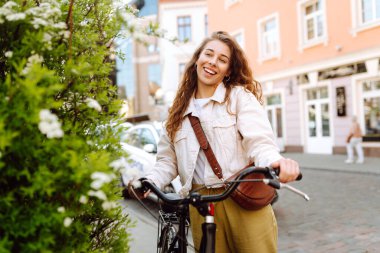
263, 56
241, 32
370, 94
357, 19
304, 42
186, 27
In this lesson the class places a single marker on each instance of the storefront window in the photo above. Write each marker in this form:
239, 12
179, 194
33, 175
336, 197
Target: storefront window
274, 99
279, 122
317, 93
325, 120
312, 121
371, 96
274, 110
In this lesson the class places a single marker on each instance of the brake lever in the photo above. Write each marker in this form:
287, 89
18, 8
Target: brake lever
275, 183
295, 190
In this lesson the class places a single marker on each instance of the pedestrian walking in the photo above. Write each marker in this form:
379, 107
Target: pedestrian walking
218, 87
354, 140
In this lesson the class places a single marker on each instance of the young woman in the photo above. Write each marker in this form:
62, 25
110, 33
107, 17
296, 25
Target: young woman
218, 88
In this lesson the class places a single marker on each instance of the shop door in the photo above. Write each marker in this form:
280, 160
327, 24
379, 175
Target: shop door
318, 122
274, 111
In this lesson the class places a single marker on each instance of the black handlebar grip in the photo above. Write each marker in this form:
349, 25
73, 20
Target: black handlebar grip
297, 179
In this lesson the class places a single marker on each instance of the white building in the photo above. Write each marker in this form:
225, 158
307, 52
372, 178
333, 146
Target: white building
185, 20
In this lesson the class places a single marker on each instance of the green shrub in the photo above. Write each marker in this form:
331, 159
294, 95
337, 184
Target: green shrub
58, 192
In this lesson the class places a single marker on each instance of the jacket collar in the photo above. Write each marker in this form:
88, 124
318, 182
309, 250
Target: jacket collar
218, 96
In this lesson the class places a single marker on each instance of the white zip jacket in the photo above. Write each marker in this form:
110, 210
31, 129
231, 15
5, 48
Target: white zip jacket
237, 139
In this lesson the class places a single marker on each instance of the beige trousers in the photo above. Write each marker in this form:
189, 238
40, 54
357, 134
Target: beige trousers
237, 230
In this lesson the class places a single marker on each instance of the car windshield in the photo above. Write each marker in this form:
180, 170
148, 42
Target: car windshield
142, 134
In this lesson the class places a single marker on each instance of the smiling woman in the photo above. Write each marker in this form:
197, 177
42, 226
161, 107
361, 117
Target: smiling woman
218, 88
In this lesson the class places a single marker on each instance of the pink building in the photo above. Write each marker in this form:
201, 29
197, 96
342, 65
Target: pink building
318, 61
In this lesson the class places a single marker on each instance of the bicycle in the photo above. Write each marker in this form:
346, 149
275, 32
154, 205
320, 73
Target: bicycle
172, 235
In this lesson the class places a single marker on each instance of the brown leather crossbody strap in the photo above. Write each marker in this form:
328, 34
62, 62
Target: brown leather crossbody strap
205, 146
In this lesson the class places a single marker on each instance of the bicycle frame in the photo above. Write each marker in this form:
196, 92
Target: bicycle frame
204, 205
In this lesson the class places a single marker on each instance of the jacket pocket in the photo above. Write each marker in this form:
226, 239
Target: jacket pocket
180, 135
225, 129
180, 143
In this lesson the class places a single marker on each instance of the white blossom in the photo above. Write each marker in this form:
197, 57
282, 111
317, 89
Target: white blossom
100, 178
16, 16
119, 164
47, 38
99, 194
132, 172
67, 221
61, 209
107, 205
60, 25
49, 124
37, 22
9, 5
83, 199
92, 103
6, 10
33, 59
8, 54
83, 23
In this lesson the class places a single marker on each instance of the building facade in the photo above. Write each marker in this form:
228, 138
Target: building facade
318, 67
186, 21
139, 73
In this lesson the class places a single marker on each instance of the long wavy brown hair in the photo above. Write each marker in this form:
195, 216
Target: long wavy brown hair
240, 75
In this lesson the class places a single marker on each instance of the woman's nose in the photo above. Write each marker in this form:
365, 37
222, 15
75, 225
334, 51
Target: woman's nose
212, 61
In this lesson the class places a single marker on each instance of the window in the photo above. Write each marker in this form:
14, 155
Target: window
206, 25
366, 14
181, 69
274, 111
133, 138
312, 22
317, 93
154, 73
269, 37
184, 28
239, 37
371, 102
370, 11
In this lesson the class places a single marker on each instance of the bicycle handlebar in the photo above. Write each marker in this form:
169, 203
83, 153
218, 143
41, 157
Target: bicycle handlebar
174, 199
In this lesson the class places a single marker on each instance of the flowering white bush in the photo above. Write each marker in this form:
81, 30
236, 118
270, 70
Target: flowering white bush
55, 94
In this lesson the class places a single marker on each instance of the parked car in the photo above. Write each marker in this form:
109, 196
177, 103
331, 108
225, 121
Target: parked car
141, 141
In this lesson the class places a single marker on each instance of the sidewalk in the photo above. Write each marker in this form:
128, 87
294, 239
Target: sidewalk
371, 165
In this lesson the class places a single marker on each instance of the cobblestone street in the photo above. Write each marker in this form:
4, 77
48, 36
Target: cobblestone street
342, 215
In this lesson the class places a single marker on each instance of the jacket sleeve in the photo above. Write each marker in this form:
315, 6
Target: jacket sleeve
165, 168
254, 127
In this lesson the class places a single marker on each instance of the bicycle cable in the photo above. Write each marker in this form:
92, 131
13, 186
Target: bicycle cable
142, 203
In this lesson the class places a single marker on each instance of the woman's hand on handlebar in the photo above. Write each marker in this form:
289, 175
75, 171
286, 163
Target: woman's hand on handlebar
137, 190
289, 169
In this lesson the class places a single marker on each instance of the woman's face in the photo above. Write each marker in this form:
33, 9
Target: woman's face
213, 63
